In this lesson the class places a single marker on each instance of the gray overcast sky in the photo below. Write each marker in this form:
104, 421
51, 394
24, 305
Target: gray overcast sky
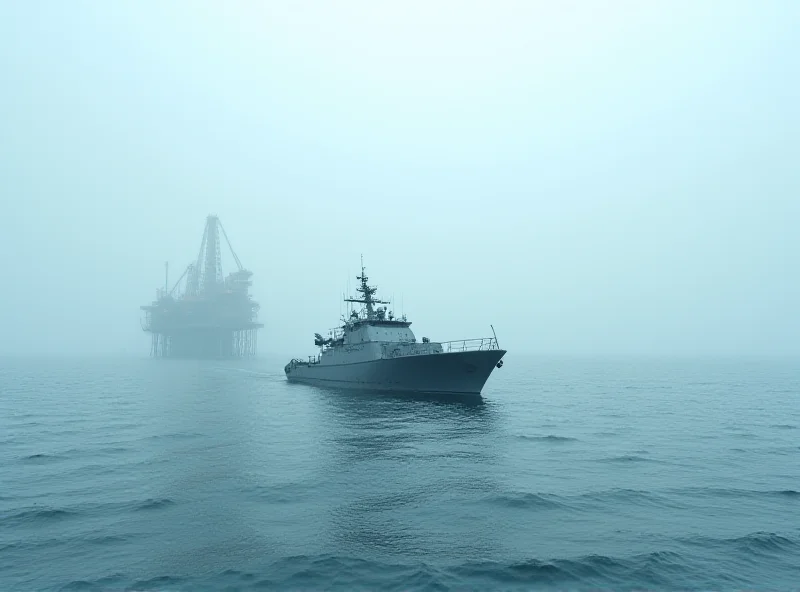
590, 177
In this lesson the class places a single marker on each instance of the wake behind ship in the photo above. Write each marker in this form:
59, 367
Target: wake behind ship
374, 350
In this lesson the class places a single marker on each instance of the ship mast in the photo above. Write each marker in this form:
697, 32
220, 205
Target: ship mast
367, 293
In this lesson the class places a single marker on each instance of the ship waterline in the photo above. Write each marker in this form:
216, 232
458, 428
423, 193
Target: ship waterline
374, 350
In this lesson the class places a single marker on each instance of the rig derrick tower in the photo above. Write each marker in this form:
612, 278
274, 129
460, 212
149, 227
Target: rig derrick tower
213, 316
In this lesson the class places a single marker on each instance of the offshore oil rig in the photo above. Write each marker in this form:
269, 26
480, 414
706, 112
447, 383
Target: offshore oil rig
213, 316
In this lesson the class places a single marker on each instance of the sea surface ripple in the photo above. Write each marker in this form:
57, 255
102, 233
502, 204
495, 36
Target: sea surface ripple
570, 473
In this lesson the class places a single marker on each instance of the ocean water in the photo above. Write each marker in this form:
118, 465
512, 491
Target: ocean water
570, 474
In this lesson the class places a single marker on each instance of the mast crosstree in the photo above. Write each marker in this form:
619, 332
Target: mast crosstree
367, 293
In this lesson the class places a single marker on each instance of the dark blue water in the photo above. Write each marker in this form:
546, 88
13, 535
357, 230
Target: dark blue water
623, 474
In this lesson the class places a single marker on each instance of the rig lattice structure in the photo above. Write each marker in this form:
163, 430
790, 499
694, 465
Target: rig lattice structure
212, 316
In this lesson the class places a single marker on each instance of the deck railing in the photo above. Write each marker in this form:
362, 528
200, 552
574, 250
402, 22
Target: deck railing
417, 349
298, 362
463, 345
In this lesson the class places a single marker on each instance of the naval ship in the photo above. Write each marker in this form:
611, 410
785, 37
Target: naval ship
375, 350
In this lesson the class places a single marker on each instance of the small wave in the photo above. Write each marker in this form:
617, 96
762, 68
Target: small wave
158, 583
175, 436
591, 570
739, 493
280, 494
626, 458
46, 545
526, 500
41, 457
241, 575
101, 585
765, 541
37, 515
78, 586
154, 504
630, 496
107, 540
745, 436
307, 572
588, 501
659, 569
784, 426
549, 438
112, 450
751, 544
529, 572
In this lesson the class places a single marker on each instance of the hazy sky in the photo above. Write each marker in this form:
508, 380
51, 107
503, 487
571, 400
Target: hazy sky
590, 177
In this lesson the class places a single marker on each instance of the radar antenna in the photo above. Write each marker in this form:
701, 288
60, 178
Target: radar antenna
367, 293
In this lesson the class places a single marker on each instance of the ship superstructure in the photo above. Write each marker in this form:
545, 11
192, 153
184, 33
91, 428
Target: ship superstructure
374, 349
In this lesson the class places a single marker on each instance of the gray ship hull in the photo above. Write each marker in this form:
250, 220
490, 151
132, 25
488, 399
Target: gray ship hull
456, 373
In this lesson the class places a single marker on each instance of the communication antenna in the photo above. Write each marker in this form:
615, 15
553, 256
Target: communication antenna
495, 336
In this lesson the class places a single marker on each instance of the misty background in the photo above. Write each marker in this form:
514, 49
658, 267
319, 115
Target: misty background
617, 177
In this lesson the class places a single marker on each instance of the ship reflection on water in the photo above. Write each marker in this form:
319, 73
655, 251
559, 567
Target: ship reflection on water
394, 459
359, 398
